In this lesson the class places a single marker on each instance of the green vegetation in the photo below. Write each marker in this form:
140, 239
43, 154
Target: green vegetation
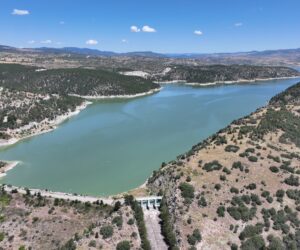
292, 180
211, 166
194, 238
2, 235
123, 245
212, 73
232, 148
187, 192
281, 119
71, 81
139, 217
118, 220
239, 211
167, 226
106, 231
256, 242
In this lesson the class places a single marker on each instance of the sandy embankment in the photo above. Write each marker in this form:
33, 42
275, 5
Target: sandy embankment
239, 81
61, 195
99, 97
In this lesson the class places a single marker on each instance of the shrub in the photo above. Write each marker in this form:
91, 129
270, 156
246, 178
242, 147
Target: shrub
265, 194
292, 180
92, 243
250, 150
256, 242
194, 238
130, 221
226, 170
234, 246
106, 231
222, 177
211, 166
238, 165
251, 186
118, 220
280, 193
221, 211
252, 158
123, 245
232, 148
255, 199
117, 206
274, 169
202, 202
250, 231
217, 186
187, 192
234, 190
2, 236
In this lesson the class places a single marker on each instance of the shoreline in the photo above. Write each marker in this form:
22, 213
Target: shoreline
100, 97
225, 82
48, 126
61, 195
9, 166
240, 81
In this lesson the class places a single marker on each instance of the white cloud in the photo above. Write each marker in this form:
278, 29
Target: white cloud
62, 22
46, 41
124, 41
238, 24
31, 42
91, 42
20, 12
134, 28
147, 28
198, 32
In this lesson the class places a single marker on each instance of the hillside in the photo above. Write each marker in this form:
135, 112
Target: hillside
30, 221
239, 189
71, 81
222, 73
35, 100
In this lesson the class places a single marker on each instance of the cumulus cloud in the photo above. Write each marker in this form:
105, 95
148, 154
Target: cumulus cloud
46, 41
20, 12
134, 28
198, 32
238, 24
91, 42
31, 42
147, 28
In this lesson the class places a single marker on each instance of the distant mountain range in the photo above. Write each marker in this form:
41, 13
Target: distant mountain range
95, 52
147, 60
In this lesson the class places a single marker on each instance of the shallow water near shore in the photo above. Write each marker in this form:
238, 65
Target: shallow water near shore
114, 145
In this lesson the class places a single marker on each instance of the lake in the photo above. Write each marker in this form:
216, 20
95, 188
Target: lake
114, 145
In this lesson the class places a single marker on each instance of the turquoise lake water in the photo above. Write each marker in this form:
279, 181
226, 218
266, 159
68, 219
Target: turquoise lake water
114, 145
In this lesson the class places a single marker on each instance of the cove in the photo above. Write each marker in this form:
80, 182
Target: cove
114, 145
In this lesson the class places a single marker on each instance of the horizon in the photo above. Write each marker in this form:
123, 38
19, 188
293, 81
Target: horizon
166, 27
150, 51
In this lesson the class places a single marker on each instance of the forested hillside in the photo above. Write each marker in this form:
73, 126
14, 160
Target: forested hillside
221, 73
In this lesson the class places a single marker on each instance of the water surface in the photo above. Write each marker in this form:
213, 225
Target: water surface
114, 145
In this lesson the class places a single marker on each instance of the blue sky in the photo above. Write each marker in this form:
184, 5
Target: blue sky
163, 26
